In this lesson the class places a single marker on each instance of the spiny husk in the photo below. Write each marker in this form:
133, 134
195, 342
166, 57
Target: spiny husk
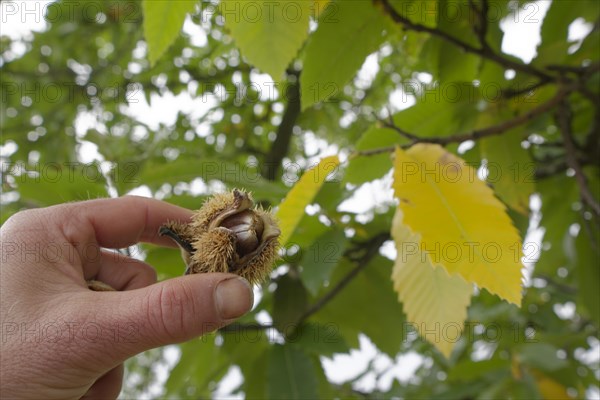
214, 246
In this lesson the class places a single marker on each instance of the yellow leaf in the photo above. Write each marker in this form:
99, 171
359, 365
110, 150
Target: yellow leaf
463, 227
549, 388
435, 302
304, 191
319, 7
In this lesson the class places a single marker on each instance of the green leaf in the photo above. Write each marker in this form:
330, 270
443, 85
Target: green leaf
555, 27
331, 195
587, 259
291, 209
320, 339
510, 169
321, 258
167, 262
249, 350
558, 194
269, 34
186, 169
200, 363
441, 111
448, 63
309, 228
55, 183
455, 65
467, 370
291, 374
337, 49
542, 356
289, 303
365, 305
255, 377
363, 169
163, 20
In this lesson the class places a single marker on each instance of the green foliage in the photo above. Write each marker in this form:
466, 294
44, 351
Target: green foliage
338, 48
261, 26
70, 132
366, 169
291, 374
162, 22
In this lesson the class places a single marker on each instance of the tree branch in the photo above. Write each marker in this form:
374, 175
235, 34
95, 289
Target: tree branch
240, 327
510, 93
481, 28
473, 135
564, 119
485, 52
280, 147
372, 249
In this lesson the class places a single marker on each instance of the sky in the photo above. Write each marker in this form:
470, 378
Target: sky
521, 36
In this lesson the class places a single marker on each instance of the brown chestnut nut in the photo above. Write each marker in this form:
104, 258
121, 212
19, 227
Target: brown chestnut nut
228, 234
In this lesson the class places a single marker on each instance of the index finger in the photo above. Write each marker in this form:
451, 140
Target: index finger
121, 222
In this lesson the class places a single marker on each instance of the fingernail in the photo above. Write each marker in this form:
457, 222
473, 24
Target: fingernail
234, 298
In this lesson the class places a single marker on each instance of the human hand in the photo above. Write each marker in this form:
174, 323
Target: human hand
60, 340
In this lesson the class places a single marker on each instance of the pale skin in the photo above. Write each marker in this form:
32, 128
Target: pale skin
60, 340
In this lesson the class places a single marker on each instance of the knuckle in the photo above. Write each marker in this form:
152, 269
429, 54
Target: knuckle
167, 312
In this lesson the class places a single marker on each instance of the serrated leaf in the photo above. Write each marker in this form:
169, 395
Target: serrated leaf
463, 227
510, 169
435, 302
338, 48
269, 34
163, 19
291, 374
291, 209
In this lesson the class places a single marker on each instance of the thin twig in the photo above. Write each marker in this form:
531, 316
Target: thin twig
239, 327
376, 151
558, 285
372, 250
510, 93
481, 27
564, 119
473, 135
578, 70
489, 131
485, 52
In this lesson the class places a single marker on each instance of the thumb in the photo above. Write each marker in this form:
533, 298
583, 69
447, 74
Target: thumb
171, 311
